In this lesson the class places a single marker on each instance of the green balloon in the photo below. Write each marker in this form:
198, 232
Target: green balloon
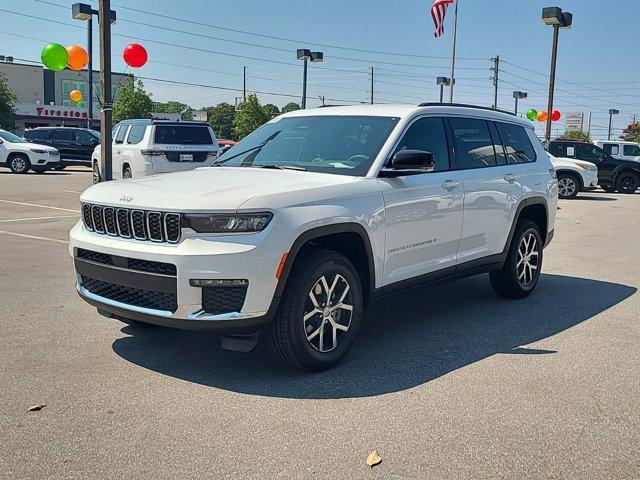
54, 56
532, 114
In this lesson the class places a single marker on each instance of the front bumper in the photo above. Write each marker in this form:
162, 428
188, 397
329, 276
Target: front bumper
48, 161
589, 179
218, 258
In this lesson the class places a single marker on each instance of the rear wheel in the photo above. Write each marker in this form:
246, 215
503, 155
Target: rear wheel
521, 271
568, 185
19, 164
95, 173
628, 182
320, 311
126, 172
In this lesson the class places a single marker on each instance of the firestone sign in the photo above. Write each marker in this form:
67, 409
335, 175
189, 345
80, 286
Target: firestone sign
51, 111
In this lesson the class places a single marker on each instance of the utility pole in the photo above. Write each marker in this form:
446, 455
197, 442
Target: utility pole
496, 70
244, 88
322, 99
371, 85
90, 68
104, 17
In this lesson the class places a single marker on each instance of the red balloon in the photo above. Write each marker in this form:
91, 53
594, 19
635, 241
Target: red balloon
134, 55
556, 115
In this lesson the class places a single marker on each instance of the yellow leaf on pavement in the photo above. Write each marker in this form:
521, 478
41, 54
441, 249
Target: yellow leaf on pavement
373, 459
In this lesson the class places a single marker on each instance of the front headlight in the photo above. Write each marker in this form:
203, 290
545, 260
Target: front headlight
38, 150
229, 223
587, 166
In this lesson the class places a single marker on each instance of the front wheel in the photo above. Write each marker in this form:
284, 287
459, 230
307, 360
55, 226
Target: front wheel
126, 172
95, 176
320, 311
521, 271
628, 182
19, 164
568, 185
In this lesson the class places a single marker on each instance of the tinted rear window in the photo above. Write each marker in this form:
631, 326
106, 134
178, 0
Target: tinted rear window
182, 135
36, 134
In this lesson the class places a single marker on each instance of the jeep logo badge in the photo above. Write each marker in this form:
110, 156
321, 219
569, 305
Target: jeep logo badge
126, 198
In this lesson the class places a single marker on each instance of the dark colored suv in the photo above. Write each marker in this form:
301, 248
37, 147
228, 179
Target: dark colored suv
613, 174
74, 144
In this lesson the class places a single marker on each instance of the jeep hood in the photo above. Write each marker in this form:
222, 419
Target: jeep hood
209, 189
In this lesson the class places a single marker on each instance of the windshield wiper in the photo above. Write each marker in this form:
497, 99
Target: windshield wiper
257, 147
284, 167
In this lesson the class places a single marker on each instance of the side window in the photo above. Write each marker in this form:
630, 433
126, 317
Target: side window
64, 134
590, 153
501, 154
571, 151
121, 133
517, 143
136, 134
611, 148
428, 134
114, 131
473, 142
84, 137
631, 150
40, 134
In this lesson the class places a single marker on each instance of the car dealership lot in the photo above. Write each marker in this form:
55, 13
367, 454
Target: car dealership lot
444, 382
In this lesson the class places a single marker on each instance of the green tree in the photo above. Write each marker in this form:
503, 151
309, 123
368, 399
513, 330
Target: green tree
221, 118
132, 102
631, 133
575, 135
290, 107
172, 106
250, 116
271, 110
7, 103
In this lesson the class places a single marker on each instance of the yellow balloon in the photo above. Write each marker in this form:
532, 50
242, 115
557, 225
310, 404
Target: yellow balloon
75, 95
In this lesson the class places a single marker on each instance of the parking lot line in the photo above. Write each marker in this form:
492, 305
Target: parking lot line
33, 237
39, 206
71, 191
11, 220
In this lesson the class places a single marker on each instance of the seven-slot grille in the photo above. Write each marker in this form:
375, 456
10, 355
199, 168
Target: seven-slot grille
131, 223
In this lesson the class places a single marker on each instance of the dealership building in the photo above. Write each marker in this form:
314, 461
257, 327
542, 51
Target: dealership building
43, 95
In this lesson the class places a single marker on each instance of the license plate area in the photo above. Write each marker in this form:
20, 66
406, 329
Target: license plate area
186, 157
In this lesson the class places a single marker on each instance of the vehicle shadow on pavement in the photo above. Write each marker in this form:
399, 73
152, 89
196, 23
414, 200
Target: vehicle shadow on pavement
404, 341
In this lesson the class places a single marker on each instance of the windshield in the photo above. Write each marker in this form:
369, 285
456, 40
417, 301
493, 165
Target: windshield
343, 145
182, 135
10, 137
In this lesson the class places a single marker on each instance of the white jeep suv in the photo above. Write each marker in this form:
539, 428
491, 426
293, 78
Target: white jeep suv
20, 156
574, 176
147, 147
312, 217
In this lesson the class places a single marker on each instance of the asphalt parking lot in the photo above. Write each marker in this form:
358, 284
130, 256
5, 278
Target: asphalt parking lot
444, 382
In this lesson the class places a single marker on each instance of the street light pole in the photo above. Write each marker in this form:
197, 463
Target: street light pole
612, 112
104, 11
518, 96
90, 68
442, 82
305, 55
304, 84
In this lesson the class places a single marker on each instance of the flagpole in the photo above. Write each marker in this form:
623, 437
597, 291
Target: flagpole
453, 54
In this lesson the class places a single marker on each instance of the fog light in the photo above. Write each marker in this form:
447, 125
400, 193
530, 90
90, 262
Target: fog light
196, 282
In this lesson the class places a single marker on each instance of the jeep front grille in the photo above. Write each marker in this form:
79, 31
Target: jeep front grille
132, 223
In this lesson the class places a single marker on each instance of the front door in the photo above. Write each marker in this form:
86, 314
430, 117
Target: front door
605, 162
423, 213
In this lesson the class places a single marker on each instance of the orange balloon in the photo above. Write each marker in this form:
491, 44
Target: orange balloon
542, 116
78, 57
75, 95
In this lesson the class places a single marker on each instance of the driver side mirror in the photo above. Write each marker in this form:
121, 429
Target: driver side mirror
413, 161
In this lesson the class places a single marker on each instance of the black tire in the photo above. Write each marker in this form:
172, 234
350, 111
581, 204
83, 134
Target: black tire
95, 173
126, 172
569, 185
508, 281
608, 189
627, 182
19, 163
39, 170
288, 336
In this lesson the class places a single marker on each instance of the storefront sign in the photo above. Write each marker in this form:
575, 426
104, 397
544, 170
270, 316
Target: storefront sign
52, 111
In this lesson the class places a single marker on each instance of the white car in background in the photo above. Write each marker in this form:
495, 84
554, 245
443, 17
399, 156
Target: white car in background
20, 156
574, 176
620, 150
147, 147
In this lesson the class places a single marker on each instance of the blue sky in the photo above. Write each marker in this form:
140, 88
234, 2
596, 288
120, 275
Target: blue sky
598, 61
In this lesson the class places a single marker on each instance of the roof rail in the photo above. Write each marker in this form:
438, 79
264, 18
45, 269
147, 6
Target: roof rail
465, 105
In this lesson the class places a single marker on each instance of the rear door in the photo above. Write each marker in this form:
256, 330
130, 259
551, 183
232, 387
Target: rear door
605, 162
64, 140
182, 147
85, 142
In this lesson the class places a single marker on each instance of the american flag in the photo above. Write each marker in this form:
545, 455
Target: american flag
438, 11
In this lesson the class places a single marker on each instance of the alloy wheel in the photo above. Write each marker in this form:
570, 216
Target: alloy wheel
95, 173
18, 164
627, 184
528, 259
328, 312
566, 186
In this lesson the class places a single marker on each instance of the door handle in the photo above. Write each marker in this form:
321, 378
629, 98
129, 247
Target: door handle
511, 178
449, 184
118, 152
